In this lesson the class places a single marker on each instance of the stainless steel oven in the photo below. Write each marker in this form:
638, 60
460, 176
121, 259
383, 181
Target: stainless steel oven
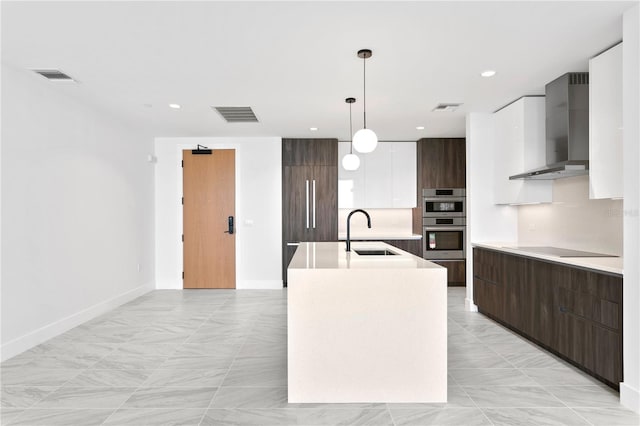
444, 238
445, 202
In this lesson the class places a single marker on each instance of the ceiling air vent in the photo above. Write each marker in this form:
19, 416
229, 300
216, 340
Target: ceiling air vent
578, 78
237, 114
54, 75
446, 107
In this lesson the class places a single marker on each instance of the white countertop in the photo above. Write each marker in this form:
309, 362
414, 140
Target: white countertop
605, 264
342, 236
333, 255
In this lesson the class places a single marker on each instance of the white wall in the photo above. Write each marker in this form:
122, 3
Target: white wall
77, 211
485, 221
569, 221
258, 209
630, 388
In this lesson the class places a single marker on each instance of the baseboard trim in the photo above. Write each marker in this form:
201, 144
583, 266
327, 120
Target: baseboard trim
259, 285
42, 334
469, 305
630, 397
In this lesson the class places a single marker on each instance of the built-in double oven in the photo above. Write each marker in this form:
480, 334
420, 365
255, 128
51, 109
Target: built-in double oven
444, 223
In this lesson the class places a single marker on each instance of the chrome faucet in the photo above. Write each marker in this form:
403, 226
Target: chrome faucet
349, 225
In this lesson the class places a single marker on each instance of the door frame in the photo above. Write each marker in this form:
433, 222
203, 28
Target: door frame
179, 207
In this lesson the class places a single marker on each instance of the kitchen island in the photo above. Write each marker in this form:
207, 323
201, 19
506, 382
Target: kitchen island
365, 328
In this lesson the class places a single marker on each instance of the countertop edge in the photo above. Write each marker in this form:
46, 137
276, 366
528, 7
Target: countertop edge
580, 262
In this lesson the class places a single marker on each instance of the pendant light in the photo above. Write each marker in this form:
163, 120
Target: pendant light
365, 140
350, 161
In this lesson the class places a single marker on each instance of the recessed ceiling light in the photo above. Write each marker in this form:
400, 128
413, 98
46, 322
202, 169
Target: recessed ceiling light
419, 127
313, 129
488, 73
175, 106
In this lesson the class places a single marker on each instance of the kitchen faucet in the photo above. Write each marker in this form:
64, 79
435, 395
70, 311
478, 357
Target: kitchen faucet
349, 225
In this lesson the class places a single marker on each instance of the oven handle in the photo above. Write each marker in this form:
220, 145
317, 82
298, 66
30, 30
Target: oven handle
443, 228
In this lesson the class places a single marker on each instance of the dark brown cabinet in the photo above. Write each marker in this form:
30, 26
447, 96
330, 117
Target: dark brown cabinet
456, 272
441, 163
573, 312
309, 193
309, 152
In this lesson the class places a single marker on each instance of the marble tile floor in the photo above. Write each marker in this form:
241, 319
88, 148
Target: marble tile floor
207, 357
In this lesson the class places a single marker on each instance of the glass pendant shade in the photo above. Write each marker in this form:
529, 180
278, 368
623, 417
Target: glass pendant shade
350, 162
365, 140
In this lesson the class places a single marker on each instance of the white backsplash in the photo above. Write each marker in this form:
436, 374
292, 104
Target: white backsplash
383, 222
573, 220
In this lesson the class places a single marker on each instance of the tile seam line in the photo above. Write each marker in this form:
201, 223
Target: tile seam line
244, 342
140, 386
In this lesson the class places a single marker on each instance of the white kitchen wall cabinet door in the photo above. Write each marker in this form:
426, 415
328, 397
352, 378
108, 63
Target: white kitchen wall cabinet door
520, 146
386, 177
605, 124
404, 179
350, 183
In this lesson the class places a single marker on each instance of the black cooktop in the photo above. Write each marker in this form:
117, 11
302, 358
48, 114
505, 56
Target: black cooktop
561, 252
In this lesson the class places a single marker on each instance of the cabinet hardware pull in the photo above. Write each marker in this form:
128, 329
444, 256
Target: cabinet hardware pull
307, 202
314, 204
293, 244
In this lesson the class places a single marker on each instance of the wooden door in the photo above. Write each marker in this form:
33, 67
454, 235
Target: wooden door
209, 200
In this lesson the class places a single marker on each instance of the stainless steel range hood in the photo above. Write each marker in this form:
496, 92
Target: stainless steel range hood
566, 129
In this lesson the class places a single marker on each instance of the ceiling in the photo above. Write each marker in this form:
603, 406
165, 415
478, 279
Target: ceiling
294, 63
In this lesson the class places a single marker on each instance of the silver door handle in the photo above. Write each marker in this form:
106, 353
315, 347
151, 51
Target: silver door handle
293, 244
307, 203
314, 204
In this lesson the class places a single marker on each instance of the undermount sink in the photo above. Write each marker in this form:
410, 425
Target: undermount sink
374, 252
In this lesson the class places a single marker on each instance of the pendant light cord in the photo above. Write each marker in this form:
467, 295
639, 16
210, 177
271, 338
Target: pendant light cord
364, 88
350, 131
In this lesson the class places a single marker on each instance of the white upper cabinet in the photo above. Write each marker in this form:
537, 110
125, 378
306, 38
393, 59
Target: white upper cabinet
605, 124
519, 146
386, 177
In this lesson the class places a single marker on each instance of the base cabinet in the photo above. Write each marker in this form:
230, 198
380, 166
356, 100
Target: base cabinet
456, 272
573, 312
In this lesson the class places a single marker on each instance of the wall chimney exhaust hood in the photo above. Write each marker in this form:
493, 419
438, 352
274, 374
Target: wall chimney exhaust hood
566, 129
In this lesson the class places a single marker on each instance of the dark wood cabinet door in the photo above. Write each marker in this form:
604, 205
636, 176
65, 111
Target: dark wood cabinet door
296, 194
488, 297
309, 152
608, 354
441, 163
324, 203
456, 272
513, 277
487, 264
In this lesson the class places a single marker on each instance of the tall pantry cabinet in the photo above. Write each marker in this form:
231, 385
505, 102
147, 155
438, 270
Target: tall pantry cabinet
309, 194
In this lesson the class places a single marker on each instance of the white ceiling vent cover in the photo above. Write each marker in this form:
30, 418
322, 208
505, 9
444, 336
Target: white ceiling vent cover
237, 114
54, 75
446, 107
